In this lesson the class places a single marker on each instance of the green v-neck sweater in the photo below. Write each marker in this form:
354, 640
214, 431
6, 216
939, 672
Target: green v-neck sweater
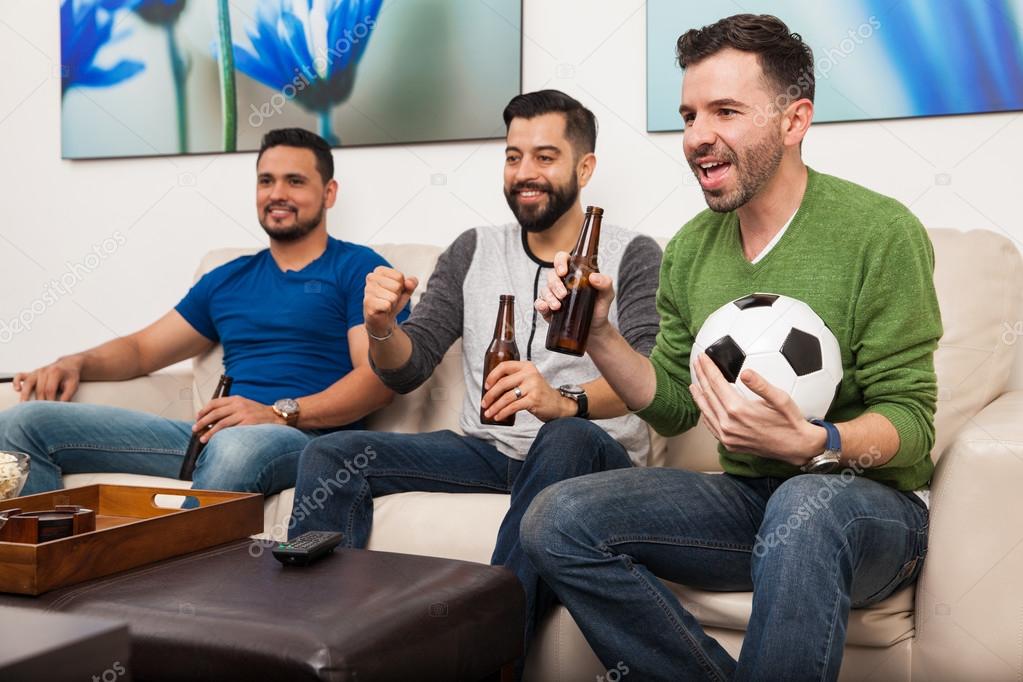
864, 263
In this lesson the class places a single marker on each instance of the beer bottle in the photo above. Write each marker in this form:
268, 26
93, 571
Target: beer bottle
502, 348
195, 446
570, 324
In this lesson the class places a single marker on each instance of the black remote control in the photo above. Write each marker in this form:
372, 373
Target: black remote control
307, 547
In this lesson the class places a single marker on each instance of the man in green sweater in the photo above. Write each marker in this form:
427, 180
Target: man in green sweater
814, 518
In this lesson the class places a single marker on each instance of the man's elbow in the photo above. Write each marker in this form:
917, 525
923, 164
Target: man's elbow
386, 398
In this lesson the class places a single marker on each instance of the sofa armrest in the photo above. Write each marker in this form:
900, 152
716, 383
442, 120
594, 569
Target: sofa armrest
166, 393
969, 599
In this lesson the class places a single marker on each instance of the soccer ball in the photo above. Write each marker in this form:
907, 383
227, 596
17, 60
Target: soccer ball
780, 338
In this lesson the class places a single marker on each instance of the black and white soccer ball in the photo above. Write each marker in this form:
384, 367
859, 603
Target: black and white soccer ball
782, 339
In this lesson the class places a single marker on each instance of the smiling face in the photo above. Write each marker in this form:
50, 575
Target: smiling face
733, 140
291, 197
541, 173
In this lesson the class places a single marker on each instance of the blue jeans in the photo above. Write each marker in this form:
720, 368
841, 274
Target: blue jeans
340, 474
74, 438
809, 547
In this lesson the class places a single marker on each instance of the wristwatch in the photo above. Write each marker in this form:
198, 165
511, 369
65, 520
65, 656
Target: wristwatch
287, 409
827, 461
576, 393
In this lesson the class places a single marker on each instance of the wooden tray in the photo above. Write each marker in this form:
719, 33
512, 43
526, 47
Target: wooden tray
130, 531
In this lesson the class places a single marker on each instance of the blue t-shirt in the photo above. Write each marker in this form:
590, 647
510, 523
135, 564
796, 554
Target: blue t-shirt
285, 334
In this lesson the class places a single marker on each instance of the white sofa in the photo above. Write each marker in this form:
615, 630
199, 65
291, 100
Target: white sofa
962, 621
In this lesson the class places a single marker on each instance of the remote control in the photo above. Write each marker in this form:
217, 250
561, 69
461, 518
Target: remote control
307, 547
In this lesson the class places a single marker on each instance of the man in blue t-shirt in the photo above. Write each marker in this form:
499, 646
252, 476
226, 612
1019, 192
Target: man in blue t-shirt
290, 322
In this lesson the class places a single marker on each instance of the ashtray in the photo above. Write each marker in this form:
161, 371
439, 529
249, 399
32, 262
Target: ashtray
42, 526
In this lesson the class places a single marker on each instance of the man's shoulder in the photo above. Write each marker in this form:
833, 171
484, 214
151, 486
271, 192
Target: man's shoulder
838, 197
340, 249
237, 264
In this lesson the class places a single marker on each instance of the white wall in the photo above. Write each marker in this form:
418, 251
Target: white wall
957, 171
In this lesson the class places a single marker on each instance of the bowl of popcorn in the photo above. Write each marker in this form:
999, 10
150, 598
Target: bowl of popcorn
13, 474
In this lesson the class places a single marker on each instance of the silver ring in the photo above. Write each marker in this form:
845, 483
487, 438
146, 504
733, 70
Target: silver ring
517, 392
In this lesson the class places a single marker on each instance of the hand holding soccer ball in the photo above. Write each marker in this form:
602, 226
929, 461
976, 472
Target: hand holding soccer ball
781, 339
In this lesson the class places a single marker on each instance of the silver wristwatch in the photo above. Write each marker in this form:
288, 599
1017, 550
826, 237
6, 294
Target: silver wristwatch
829, 460
287, 409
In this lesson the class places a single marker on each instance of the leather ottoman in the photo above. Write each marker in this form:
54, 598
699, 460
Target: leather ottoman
234, 613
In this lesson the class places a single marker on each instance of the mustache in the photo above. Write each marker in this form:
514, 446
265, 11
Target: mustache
709, 150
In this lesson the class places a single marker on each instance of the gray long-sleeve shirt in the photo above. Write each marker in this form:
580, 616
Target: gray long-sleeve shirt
461, 300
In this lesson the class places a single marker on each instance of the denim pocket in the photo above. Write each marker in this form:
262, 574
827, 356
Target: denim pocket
907, 575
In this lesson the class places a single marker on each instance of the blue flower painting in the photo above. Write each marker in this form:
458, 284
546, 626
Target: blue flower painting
86, 27
309, 48
144, 77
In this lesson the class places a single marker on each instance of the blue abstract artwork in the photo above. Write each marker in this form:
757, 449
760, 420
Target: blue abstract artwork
874, 59
164, 77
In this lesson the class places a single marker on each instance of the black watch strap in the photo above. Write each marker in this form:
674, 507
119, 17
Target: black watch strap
583, 406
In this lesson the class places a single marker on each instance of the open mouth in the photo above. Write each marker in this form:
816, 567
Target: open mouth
713, 172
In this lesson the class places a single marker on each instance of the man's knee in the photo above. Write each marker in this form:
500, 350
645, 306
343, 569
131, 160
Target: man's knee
571, 429
572, 440
239, 455
803, 511
350, 451
553, 514
23, 417
807, 495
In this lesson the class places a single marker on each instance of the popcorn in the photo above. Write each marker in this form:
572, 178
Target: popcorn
13, 472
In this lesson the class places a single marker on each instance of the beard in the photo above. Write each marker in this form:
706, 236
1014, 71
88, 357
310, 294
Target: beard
539, 217
754, 166
291, 233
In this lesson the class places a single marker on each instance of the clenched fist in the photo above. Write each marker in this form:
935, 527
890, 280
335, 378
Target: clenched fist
387, 293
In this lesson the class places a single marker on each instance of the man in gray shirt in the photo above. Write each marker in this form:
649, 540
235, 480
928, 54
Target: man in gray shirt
548, 159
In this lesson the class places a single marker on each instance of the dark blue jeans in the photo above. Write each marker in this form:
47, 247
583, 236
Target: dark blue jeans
809, 547
341, 473
76, 438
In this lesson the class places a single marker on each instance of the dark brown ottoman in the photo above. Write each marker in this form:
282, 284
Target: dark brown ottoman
224, 614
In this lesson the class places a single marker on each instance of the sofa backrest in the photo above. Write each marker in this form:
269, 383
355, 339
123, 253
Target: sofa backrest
979, 280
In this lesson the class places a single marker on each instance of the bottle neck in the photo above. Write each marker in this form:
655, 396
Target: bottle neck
589, 237
504, 329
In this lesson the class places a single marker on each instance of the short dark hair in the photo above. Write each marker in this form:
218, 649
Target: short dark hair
299, 137
580, 123
787, 61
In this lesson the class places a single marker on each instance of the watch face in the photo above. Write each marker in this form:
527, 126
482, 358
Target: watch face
571, 389
824, 463
287, 406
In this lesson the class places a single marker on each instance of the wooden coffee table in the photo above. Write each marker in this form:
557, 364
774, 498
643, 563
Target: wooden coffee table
234, 613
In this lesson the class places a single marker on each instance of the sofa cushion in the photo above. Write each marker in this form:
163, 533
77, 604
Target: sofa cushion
979, 279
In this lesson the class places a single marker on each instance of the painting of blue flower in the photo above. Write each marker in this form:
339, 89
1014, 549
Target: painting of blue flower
86, 27
145, 77
160, 11
309, 48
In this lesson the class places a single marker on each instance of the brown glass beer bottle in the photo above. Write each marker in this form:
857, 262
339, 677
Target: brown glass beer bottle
195, 446
570, 324
502, 348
